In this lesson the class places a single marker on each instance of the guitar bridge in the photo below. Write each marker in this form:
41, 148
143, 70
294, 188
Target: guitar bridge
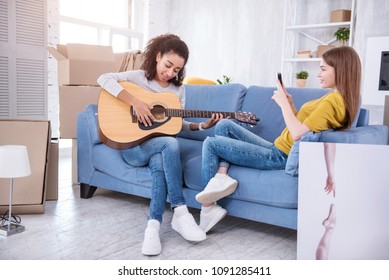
134, 118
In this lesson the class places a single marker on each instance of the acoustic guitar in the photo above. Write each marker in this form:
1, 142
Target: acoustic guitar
120, 129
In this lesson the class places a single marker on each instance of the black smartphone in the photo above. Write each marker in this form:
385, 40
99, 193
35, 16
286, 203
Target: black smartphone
279, 77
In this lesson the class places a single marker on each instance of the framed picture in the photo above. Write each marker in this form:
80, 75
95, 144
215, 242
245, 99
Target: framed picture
343, 200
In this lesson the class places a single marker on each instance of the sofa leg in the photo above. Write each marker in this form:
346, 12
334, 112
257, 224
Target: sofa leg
87, 191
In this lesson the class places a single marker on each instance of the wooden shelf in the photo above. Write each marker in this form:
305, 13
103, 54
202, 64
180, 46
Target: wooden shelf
313, 59
300, 34
318, 26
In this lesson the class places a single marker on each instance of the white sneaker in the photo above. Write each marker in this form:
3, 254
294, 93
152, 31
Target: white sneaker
210, 217
151, 244
218, 187
184, 223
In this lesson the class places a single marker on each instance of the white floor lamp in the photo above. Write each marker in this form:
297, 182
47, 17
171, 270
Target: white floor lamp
14, 163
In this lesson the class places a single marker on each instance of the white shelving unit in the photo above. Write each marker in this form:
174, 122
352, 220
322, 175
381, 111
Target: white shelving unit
298, 36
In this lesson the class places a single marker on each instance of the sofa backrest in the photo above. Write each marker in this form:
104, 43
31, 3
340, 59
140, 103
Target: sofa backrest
220, 98
234, 98
258, 101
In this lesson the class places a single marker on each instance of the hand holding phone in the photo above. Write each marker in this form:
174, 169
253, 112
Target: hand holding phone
279, 77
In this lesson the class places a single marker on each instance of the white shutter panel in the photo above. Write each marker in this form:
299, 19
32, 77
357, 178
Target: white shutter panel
3, 21
23, 59
4, 98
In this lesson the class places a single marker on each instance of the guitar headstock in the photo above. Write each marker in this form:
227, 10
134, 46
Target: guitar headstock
246, 118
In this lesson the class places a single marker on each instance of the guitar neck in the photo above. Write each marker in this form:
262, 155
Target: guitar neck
197, 113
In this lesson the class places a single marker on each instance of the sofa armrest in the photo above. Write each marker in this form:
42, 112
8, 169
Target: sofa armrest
369, 134
85, 168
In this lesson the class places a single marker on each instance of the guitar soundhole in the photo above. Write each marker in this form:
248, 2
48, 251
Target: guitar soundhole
160, 118
159, 113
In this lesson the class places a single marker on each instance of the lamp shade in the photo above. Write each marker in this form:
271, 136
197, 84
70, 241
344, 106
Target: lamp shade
14, 161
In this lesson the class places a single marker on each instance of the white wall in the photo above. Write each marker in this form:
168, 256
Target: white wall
242, 38
238, 38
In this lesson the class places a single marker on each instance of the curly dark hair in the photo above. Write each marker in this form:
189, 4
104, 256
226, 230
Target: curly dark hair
168, 43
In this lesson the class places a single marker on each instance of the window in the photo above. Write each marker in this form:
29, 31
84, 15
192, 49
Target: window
101, 22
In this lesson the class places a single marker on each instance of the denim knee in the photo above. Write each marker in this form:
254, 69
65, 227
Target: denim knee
222, 127
171, 143
156, 163
207, 143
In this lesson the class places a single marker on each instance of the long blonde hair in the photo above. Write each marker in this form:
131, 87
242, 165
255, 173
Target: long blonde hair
347, 65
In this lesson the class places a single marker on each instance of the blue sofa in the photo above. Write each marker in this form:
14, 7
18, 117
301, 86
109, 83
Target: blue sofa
263, 196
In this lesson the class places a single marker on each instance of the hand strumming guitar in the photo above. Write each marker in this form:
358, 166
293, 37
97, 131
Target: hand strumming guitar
141, 109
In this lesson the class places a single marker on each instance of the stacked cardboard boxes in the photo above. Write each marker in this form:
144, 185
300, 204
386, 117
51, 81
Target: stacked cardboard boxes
79, 66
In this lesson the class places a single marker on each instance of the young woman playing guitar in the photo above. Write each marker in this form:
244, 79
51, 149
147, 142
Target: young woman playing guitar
163, 70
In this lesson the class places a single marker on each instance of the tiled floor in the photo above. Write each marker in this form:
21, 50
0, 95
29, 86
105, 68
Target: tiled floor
111, 225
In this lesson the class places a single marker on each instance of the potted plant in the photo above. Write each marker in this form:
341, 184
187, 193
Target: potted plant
226, 80
301, 78
342, 35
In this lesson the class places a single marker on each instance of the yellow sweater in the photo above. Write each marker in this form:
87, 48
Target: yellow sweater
324, 113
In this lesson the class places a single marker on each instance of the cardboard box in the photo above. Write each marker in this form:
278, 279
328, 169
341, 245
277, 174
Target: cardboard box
304, 54
29, 193
340, 15
80, 64
322, 49
52, 177
74, 99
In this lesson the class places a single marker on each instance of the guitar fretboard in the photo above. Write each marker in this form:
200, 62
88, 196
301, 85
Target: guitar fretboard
197, 113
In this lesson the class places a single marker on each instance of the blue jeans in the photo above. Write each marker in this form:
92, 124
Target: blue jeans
162, 155
235, 144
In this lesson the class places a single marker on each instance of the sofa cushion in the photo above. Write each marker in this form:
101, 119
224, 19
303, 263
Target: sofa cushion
219, 98
363, 117
270, 187
189, 149
111, 162
198, 81
292, 163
